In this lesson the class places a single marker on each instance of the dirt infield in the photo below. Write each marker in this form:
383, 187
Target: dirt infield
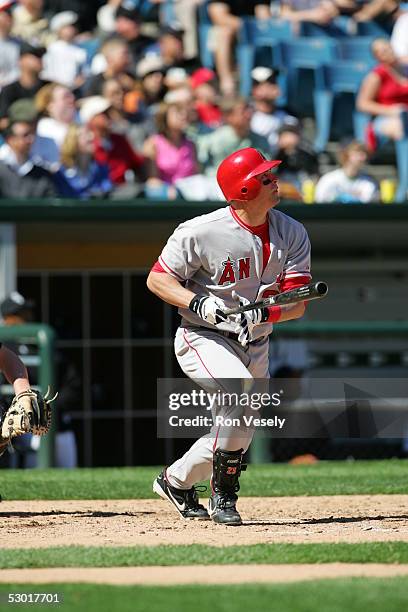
356, 518
201, 574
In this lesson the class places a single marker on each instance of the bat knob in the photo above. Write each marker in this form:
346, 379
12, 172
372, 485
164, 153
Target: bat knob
322, 288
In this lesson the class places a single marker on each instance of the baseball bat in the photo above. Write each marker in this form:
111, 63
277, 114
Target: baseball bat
314, 291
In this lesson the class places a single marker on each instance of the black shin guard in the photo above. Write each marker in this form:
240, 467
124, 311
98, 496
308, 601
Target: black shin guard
227, 468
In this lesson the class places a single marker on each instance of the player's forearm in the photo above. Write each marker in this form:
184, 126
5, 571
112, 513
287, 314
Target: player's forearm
294, 311
14, 370
168, 288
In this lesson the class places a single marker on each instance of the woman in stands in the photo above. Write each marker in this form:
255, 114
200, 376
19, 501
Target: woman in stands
84, 177
384, 93
172, 155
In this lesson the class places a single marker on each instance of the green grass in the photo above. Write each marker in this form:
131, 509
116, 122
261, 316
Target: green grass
82, 556
351, 595
323, 478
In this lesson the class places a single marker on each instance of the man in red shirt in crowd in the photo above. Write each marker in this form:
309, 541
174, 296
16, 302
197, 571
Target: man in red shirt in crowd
125, 164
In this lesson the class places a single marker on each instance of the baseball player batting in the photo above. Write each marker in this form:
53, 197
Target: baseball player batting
238, 254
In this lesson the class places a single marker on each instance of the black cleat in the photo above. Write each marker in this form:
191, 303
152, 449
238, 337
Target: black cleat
222, 510
185, 501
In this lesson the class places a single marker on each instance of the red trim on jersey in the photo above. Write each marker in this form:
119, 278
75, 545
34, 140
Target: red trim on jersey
262, 231
295, 273
168, 269
288, 283
158, 267
274, 314
250, 228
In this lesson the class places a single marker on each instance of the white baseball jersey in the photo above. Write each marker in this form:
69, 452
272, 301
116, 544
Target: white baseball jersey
217, 253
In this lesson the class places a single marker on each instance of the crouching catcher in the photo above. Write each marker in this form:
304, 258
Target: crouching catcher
29, 412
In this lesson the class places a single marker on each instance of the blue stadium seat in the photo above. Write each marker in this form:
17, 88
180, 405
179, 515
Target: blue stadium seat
401, 150
357, 49
331, 80
306, 52
258, 44
300, 54
339, 27
371, 28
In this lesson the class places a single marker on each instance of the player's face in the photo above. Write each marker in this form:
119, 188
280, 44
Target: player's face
269, 193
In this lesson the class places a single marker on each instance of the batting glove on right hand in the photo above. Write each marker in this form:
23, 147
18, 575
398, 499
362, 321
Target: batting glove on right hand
248, 320
210, 309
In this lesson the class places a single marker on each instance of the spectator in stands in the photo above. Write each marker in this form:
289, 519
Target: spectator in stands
124, 163
127, 25
106, 16
384, 94
28, 83
299, 161
384, 12
235, 134
140, 104
30, 24
170, 153
128, 114
150, 71
57, 105
399, 39
321, 12
348, 183
9, 51
64, 52
117, 57
186, 13
226, 15
267, 119
20, 177
202, 82
175, 78
147, 11
84, 176
171, 48
86, 11
24, 110
114, 93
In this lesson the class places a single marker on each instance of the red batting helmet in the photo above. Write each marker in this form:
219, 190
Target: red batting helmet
237, 174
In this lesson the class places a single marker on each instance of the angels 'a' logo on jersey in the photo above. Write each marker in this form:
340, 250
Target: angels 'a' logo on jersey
233, 269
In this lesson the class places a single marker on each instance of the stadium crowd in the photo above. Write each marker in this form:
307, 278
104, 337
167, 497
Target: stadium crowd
112, 100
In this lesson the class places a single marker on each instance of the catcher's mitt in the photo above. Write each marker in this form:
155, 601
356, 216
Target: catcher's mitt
29, 412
